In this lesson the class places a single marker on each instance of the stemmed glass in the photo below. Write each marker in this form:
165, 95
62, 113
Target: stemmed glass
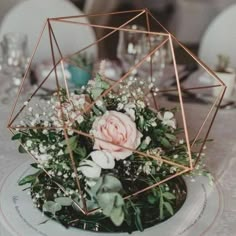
130, 46
133, 46
14, 60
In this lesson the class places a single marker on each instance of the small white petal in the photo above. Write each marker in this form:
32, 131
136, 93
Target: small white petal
168, 115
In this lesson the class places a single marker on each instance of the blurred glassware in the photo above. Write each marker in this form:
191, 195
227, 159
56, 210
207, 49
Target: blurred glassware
14, 53
159, 57
130, 46
13, 60
133, 46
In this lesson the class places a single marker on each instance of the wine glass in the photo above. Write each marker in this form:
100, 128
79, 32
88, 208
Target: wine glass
14, 60
130, 46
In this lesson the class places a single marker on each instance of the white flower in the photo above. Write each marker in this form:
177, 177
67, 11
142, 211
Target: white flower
104, 159
29, 143
120, 106
46, 123
42, 149
26, 103
140, 104
147, 168
60, 153
90, 169
167, 119
181, 141
80, 119
45, 131
43, 158
129, 109
176, 156
70, 131
99, 103
147, 140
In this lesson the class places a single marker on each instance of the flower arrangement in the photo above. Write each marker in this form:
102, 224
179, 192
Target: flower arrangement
111, 163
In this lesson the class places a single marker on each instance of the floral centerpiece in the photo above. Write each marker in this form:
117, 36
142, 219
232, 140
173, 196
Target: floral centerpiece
111, 163
109, 155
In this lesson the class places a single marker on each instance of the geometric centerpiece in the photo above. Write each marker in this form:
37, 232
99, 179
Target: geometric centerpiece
112, 144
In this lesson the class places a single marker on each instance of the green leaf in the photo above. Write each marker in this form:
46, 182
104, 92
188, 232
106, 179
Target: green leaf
165, 142
81, 151
168, 195
71, 144
51, 207
169, 207
119, 201
96, 92
161, 208
152, 199
21, 149
106, 202
117, 216
34, 165
171, 137
16, 136
94, 190
29, 179
111, 184
64, 201
137, 219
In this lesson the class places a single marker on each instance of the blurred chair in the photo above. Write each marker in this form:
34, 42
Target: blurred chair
220, 38
29, 17
191, 18
6, 5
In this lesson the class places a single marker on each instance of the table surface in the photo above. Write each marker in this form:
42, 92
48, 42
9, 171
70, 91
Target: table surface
221, 160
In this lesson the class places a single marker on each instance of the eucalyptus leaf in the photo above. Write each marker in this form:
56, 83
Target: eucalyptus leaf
111, 184
106, 202
51, 207
168, 207
137, 220
64, 201
168, 195
94, 190
96, 92
117, 216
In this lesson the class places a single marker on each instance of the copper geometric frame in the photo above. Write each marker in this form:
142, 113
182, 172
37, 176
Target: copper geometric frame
169, 38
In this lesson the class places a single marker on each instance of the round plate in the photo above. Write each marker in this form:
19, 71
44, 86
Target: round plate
20, 218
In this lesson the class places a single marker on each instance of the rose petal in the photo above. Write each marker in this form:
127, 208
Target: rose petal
90, 169
103, 159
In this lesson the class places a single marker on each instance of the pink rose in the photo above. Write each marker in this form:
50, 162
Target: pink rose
118, 129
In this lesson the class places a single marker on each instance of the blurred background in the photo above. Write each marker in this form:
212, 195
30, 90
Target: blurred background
187, 19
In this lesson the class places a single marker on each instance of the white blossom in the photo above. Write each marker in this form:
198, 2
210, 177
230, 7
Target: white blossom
167, 119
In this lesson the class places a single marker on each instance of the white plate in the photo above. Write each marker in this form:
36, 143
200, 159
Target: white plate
20, 218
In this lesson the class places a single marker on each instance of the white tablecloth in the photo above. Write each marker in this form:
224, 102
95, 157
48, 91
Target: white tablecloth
221, 160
